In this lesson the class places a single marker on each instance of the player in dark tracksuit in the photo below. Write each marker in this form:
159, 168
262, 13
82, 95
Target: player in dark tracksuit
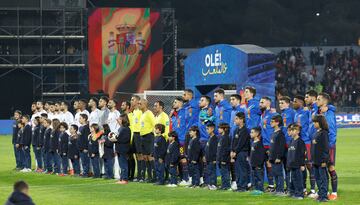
17, 116
277, 153
160, 147
193, 154
223, 155
27, 132
320, 156
210, 156
240, 148
19, 144
46, 149
172, 157
296, 163
83, 144
63, 148
108, 153
94, 149
55, 159
73, 151
37, 142
257, 159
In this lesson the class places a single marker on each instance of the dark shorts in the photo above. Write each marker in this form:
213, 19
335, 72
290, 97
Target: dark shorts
137, 142
267, 154
183, 146
308, 153
182, 150
132, 149
147, 144
332, 155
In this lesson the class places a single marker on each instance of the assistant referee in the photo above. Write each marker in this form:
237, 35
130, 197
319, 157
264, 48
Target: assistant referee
147, 123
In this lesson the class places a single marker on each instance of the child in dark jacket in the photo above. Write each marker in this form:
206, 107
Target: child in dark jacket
94, 149
42, 137
122, 148
19, 144
193, 154
320, 155
27, 132
83, 144
172, 158
73, 151
108, 153
277, 154
37, 142
55, 159
296, 162
223, 155
257, 160
46, 149
210, 156
160, 146
63, 148
240, 149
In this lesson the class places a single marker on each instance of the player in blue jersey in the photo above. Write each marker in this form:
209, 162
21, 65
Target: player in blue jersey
222, 109
177, 118
266, 132
302, 118
287, 114
253, 111
328, 111
235, 101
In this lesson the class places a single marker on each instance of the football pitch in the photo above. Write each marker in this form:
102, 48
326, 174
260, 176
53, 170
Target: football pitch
51, 189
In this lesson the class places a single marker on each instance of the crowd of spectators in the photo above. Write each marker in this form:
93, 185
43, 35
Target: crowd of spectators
292, 78
340, 77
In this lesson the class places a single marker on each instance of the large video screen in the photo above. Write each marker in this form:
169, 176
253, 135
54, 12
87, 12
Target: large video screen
125, 50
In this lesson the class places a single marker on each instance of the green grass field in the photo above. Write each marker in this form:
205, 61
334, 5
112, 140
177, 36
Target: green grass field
46, 189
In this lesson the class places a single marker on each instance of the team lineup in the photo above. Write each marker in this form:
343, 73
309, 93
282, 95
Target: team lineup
245, 143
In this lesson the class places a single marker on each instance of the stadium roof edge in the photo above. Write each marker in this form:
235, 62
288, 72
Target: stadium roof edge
250, 48
246, 48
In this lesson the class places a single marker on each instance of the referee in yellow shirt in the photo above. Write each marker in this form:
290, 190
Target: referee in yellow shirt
161, 117
147, 123
135, 127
